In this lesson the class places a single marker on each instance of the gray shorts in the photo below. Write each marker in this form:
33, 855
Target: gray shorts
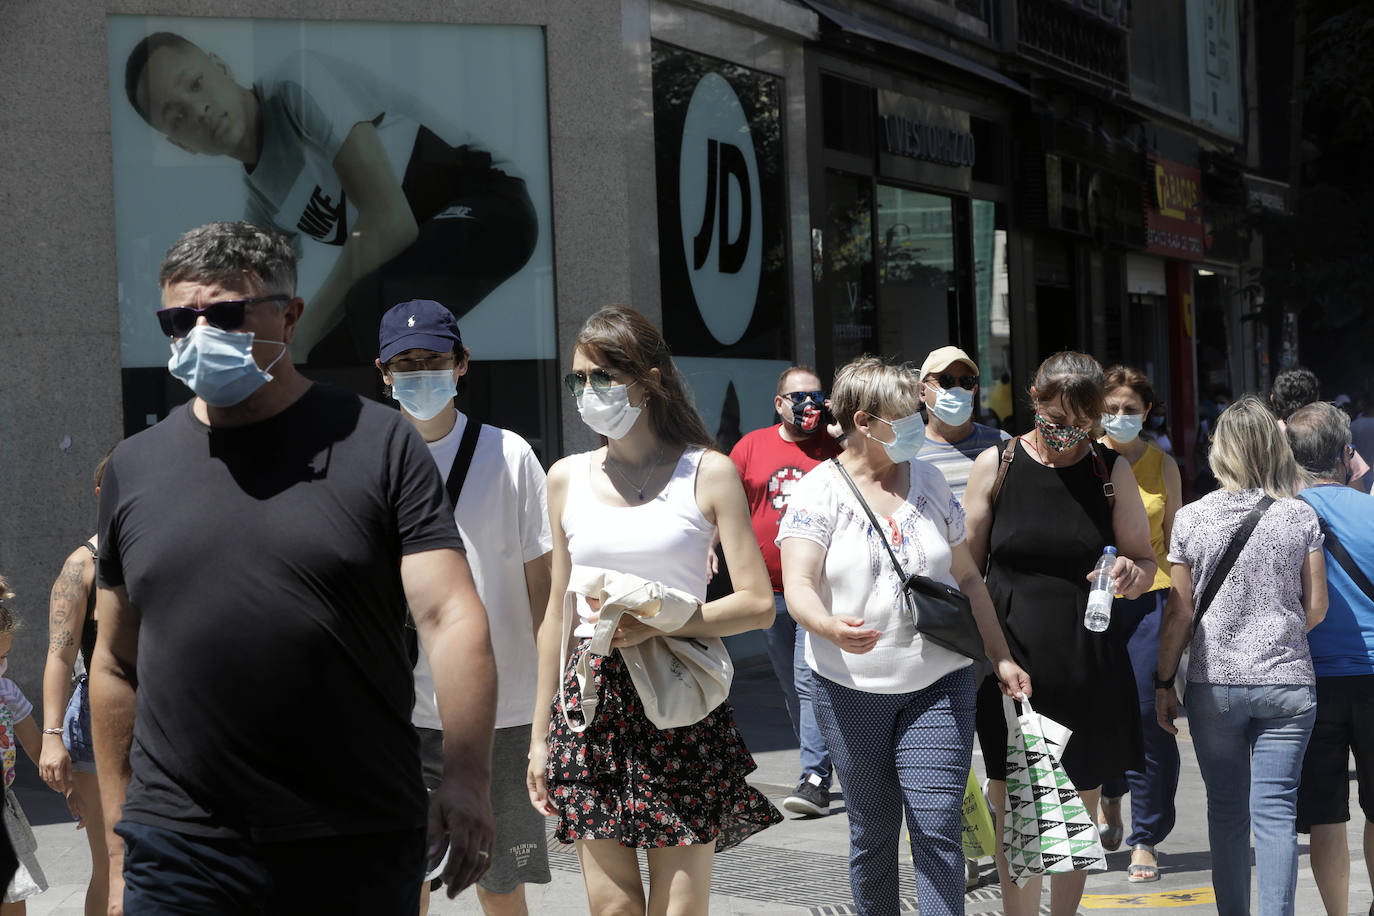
520, 854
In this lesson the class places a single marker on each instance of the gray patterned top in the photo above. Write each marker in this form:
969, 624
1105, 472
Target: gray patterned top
1255, 631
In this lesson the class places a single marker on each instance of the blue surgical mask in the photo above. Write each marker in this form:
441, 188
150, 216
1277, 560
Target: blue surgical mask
218, 365
909, 435
953, 406
1123, 427
424, 393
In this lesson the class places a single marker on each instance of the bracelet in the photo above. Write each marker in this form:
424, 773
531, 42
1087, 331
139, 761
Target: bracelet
52, 731
1163, 684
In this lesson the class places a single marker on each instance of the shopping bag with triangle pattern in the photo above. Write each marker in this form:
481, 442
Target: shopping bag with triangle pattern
1048, 831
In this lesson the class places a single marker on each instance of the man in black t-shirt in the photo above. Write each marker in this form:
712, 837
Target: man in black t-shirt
251, 688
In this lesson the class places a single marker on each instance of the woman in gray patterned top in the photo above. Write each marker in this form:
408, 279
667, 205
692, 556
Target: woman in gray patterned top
1251, 689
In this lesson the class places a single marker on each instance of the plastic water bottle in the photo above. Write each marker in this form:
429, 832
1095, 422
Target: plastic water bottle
1099, 612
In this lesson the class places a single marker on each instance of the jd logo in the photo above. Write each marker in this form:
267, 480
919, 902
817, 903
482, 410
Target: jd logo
720, 208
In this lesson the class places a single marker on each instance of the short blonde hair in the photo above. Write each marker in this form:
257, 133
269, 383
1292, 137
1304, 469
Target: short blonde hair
1250, 452
875, 387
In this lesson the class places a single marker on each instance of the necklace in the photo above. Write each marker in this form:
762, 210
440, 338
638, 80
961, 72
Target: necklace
639, 490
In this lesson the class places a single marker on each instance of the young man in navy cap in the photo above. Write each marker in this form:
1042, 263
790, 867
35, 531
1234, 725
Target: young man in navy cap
496, 486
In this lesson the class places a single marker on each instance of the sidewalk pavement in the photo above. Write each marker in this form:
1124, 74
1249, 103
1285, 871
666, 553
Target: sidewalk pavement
797, 867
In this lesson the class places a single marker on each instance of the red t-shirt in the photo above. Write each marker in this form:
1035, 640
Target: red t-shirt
770, 466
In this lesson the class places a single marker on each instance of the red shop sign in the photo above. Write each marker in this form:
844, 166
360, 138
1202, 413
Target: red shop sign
1175, 229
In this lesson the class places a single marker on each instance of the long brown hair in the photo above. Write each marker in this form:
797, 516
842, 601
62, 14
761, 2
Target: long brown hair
1130, 377
620, 338
1075, 377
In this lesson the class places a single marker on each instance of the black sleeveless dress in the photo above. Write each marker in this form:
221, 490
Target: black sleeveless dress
1049, 527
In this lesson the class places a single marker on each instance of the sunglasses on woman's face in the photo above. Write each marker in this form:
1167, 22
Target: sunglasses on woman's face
965, 382
599, 379
227, 315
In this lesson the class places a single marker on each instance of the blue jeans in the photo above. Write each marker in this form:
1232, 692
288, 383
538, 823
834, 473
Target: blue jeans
895, 753
1250, 743
1152, 791
787, 652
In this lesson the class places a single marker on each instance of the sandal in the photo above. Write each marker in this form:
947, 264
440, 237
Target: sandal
1141, 871
1111, 834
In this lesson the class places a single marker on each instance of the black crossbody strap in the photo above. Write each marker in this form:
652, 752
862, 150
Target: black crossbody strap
462, 461
1343, 557
896, 563
1228, 559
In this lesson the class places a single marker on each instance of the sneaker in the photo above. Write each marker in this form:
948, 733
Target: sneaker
972, 874
808, 799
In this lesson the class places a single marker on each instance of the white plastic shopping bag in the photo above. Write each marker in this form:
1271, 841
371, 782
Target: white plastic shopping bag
1048, 831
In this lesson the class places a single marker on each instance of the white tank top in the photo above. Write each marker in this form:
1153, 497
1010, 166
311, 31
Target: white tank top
666, 539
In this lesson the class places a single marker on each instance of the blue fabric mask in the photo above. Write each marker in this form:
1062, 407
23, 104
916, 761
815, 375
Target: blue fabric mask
424, 393
1123, 427
218, 365
910, 433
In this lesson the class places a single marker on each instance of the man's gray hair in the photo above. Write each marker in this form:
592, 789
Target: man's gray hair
228, 253
1319, 433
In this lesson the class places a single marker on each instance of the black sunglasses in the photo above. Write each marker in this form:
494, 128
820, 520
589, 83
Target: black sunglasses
797, 397
600, 380
965, 382
227, 315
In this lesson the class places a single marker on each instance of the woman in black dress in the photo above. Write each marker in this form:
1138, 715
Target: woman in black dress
1039, 539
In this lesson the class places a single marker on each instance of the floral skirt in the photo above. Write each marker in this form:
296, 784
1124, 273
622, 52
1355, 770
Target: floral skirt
627, 780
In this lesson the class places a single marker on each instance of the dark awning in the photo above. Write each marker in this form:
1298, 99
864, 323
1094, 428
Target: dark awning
864, 28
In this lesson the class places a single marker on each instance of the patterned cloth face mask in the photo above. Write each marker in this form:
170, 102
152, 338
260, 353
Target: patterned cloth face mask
1059, 436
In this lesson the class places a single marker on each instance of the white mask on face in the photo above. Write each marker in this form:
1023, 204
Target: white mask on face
608, 412
910, 435
1123, 427
953, 406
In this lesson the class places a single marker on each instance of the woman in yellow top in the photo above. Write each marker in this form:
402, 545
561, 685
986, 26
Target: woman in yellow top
1130, 396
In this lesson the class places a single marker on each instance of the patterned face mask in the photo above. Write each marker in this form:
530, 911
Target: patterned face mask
1059, 436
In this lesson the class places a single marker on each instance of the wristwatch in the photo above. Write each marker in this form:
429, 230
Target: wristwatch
1163, 684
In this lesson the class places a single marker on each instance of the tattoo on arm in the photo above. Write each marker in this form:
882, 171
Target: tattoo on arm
68, 599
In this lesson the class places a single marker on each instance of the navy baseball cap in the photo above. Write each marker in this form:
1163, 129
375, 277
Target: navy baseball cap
418, 324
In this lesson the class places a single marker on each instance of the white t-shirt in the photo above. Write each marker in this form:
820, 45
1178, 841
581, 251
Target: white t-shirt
858, 579
503, 517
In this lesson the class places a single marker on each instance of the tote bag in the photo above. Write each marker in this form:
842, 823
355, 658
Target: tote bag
1048, 831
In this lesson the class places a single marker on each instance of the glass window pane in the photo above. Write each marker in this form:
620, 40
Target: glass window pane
846, 281
917, 288
992, 317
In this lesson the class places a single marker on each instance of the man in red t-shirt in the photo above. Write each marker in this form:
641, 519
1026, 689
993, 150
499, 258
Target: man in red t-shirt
771, 461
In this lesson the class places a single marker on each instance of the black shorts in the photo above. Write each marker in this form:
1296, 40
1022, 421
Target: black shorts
1345, 723
165, 872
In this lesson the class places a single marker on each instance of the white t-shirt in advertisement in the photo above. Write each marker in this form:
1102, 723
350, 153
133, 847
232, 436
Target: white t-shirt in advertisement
503, 517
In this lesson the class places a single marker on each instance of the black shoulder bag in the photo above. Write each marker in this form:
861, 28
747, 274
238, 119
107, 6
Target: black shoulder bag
1228, 559
457, 474
940, 612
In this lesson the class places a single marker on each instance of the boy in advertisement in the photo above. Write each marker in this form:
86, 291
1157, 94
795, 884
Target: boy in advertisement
332, 152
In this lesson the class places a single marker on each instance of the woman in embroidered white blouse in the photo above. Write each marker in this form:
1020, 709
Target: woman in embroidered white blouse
896, 710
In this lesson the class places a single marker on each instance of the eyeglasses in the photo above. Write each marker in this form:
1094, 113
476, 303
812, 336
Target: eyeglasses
965, 382
600, 380
227, 315
421, 363
798, 397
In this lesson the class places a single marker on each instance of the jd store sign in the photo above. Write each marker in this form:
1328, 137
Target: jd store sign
720, 209
722, 217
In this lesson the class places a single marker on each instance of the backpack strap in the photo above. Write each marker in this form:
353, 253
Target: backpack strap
1008, 454
458, 472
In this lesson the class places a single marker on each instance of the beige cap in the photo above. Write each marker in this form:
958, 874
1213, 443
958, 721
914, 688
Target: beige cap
941, 359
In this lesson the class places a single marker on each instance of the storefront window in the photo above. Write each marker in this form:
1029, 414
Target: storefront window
845, 282
917, 286
992, 315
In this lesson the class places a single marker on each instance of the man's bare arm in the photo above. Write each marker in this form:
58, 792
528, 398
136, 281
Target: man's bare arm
113, 682
453, 629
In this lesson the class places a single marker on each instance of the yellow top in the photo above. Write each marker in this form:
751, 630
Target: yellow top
1149, 476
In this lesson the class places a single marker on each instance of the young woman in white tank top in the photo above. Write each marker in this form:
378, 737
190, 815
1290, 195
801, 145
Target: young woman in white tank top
648, 502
